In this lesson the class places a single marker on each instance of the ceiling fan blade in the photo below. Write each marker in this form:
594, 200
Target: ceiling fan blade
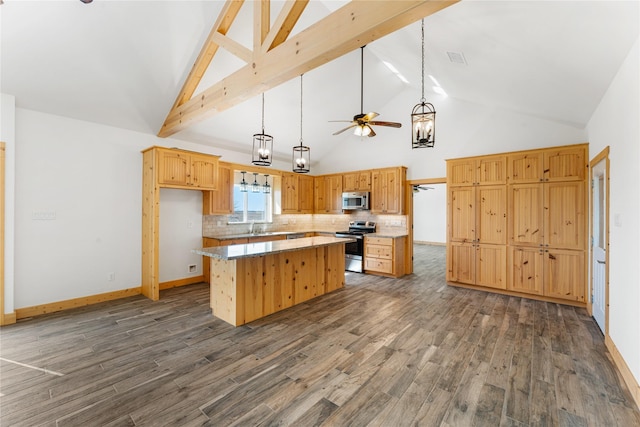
390, 124
340, 121
342, 130
369, 116
372, 134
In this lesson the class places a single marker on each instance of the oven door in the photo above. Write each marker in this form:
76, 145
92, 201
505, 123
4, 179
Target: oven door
353, 253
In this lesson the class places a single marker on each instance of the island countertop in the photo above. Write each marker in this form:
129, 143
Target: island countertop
272, 247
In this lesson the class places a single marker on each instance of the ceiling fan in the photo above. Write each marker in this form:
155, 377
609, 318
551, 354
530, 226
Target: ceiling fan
363, 122
417, 188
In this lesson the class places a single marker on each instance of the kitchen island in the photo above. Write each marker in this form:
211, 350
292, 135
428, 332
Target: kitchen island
251, 281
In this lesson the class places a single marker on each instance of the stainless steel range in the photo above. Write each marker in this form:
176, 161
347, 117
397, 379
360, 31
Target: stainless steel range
354, 252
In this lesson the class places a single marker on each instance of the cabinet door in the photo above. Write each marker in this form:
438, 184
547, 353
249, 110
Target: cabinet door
289, 193
525, 167
364, 181
386, 191
492, 170
564, 274
461, 263
491, 214
174, 167
320, 195
219, 201
305, 194
565, 164
526, 270
461, 172
333, 196
526, 214
204, 172
462, 214
491, 265
565, 215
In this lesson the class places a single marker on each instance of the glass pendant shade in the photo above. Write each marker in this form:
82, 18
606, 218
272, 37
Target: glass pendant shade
362, 130
243, 183
301, 159
423, 126
255, 187
266, 188
262, 149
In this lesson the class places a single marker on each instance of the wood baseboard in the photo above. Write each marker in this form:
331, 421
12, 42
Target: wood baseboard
181, 282
8, 319
422, 242
624, 370
36, 310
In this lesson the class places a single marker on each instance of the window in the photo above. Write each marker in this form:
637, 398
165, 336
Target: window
249, 206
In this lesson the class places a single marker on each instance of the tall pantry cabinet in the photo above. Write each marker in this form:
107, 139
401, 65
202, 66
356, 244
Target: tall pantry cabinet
535, 243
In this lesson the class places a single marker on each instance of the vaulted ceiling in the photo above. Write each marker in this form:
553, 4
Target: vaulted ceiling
123, 63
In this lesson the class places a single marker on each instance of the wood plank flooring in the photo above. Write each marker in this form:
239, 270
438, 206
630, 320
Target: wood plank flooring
380, 352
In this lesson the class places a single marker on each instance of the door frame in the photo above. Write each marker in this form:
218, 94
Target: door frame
408, 250
603, 155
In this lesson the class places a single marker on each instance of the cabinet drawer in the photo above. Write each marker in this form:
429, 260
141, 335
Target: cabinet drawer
381, 265
378, 251
386, 241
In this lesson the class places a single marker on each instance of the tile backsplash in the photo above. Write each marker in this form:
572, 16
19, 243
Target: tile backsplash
216, 225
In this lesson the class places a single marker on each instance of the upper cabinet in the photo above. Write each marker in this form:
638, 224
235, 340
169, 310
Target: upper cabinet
548, 165
328, 194
387, 192
297, 193
485, 170
184, 169
356, 181
220, 202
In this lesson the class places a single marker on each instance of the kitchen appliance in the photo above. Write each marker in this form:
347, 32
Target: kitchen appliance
357, 200
354, 251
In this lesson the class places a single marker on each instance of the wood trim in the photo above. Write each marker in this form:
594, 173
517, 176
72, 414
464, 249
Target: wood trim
623, 368
420, 242
232, 47
36, 310
442, 180
343, 31
181, 282
533, 150
283, 24
150, 226
8, 318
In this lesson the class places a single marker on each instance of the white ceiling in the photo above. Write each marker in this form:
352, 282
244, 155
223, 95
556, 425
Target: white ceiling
122, 63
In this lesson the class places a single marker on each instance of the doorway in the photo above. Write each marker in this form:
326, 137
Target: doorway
599, 214
426, 203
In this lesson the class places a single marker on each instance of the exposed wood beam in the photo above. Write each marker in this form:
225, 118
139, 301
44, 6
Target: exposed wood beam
223, 23
233, 47
355, 24
261, 22
284, 23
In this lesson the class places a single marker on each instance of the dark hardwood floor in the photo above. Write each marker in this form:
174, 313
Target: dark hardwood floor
381, 352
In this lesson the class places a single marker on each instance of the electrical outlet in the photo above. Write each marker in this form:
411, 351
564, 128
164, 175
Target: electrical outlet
112, 276
189, 224
192, 268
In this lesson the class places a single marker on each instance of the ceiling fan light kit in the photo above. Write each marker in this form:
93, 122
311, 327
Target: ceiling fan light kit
262, 151
423, 117
362, 122
301, 159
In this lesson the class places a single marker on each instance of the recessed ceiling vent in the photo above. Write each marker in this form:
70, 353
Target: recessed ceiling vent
457, 58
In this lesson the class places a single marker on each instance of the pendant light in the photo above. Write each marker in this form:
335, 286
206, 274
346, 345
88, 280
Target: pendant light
266, 188
243, 183
255, 187
301, 153
262, 145
423, 117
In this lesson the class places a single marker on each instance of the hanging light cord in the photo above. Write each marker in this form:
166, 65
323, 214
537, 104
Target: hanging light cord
263, 107
301, 109
362, 79
423, 99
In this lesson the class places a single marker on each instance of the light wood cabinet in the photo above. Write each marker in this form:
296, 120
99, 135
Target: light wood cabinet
357, 181
384, 255
556, 164
387, 192
297, 193
487, 170
328, 194
220, 201
523, 235
179, 169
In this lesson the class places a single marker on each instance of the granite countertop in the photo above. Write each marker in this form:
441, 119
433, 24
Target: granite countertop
266, 248
262, 234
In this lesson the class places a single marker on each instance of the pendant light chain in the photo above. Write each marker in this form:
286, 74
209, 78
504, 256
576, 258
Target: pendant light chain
263, 99
423, 99
362, 80
301, 108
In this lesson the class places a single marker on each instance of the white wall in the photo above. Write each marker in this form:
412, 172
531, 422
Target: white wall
430, 214
8, 135
180, 231
90, 176
615, 124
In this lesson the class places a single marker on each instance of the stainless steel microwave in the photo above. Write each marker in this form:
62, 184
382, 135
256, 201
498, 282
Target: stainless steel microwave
358, 200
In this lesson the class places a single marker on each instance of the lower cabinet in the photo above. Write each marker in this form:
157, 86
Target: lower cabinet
384, 256
477, 264
555, 273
